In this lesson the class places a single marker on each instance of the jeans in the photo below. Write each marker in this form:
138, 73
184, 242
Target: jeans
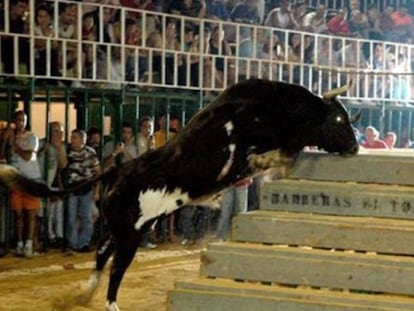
80, 225
233, 201
55, 218
193, 221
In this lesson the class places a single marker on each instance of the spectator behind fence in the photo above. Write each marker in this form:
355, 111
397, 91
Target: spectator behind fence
387, 23
89, 35
327, 59
400, 82
23, 146
338, 24
191, 8
233, 201
216, 64
94, 140
68, 29
315, 21
374, 23
352, 56
298, 15
358, 24
280, 17
43, 48
52, 160
301, 52
171, 44
145, 139
119, 152
17, 25
390, 139
379, 82
217, 10
135, 58
246, 12
372, 140
404, 25
188, 70
83, 164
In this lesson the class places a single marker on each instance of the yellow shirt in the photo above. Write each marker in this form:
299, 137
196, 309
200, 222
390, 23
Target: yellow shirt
160, 138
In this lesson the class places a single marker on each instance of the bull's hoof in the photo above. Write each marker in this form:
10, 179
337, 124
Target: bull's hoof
112, 306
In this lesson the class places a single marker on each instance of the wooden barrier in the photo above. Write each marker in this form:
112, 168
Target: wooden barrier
337, 235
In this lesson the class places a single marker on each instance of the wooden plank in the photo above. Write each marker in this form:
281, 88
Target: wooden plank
382, 168
352, 233
188, 300
297, 266
338, 198
325, 297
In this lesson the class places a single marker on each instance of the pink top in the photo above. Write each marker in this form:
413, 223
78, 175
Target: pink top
377, 144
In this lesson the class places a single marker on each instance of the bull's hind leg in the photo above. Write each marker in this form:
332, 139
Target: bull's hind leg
124, 253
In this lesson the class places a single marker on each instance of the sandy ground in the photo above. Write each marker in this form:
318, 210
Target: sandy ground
43, 283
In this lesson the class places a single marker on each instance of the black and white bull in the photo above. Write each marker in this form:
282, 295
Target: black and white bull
221, 144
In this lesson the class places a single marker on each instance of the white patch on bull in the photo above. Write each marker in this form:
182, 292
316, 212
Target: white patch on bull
154, 203
226, 168
229, 127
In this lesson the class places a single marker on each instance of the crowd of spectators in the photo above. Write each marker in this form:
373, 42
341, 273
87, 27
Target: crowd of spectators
211, 43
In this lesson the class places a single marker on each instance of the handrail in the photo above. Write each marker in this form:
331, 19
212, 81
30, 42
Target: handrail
165, 66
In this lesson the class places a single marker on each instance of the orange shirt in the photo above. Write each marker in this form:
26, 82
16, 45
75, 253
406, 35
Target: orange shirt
401, 20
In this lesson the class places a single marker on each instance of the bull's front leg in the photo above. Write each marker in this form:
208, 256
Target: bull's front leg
124, 254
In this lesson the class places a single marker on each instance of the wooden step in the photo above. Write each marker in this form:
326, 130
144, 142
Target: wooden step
392, 236
373, 167
222, 295
310, 267
338, 198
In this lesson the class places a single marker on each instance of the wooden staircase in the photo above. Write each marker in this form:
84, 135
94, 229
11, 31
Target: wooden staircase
337, 235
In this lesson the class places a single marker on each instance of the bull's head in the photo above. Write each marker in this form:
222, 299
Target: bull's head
336, 132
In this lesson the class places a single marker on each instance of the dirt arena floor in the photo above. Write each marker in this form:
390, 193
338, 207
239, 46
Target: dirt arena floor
55, 282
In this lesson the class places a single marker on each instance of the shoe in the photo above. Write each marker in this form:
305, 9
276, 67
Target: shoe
84, 249
56, 243
69, 251
184, 242
150, 245
19, 251
28, 251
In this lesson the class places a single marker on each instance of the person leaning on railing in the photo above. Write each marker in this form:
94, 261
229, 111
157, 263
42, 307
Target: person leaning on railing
18, 24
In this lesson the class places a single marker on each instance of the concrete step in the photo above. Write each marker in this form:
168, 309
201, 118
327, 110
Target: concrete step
381, 235
338, 198
226, 295
310, 267
383, 167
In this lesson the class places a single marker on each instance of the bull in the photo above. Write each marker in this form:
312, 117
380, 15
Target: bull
249, 127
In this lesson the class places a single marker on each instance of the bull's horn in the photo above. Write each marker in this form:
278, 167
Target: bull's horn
338, 91
355, 117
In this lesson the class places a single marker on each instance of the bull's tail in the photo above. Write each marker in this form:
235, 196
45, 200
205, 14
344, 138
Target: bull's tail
13, 179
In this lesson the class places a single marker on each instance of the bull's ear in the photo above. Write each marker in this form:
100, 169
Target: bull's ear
355, 118
331, 94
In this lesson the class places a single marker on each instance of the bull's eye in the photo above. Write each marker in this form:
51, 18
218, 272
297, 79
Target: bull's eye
339, 119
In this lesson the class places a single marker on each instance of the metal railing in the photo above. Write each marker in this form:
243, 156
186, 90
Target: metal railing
107, 46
